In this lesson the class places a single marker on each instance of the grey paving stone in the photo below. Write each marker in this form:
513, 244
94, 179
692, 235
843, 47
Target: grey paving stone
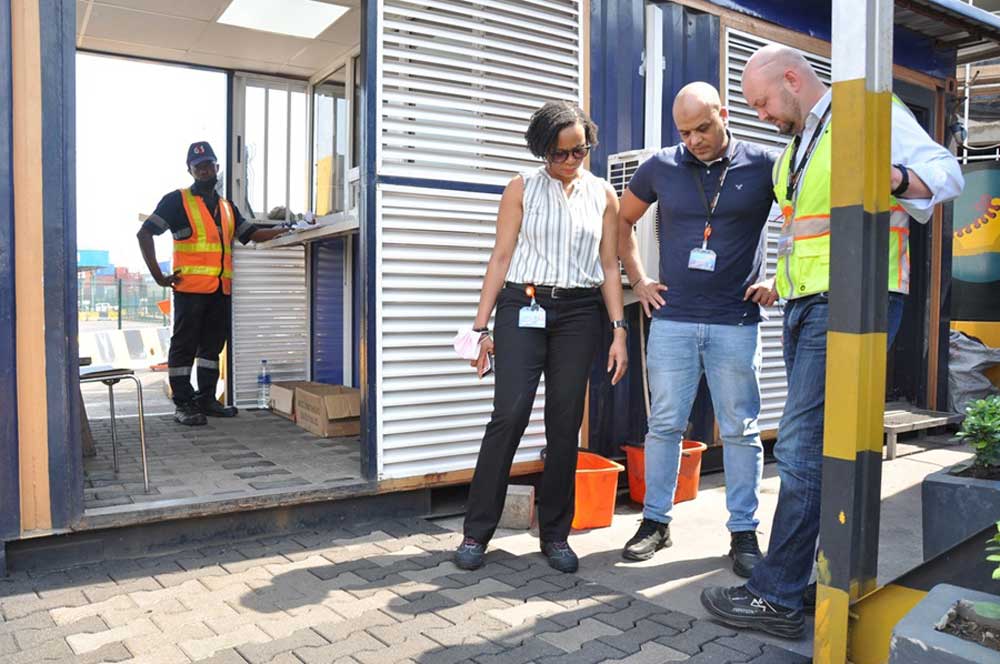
533, 588
24, 605
233, 456
241, 465
674, 619
55, 650
743, 643
112, 652
591, 653
532, 649
338, 631
7, 645
397, 633
270, 472
632, 640
33, 638
572, 639
228, 656
628, 617
40, 620
713, 653
353, 644
292, 482
455, 654
692, 640
261, 653
773, 655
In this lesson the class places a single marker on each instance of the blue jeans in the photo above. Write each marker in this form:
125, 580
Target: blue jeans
783, 575
729, 356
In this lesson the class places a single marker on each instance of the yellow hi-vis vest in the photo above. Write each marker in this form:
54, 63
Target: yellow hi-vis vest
807, 270
204, 260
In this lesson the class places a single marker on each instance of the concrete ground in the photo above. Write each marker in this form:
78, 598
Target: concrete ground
387, 592
154, 397
675, 577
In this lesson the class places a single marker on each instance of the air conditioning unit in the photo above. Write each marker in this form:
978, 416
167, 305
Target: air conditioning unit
621, 166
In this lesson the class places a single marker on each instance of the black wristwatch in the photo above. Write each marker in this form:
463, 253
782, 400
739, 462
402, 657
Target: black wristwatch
615, 324
904, 184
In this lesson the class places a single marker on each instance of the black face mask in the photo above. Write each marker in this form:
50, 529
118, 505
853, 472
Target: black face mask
205, 187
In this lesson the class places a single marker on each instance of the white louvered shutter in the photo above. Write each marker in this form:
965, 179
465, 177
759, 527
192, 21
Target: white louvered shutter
459, 82
744, 124
270, 318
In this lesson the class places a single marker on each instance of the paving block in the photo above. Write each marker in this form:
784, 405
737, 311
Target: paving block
33, 638
529, 610
455, 654
713, 653
693, 640
397, 633
53, 650
679, 622
355, 643
743, 644
653, 653
592, 652
352, 607
40, 620
414, 647
518, 507
469, 632
484, 588
631, 640
627, 618
469, 610
284, 626
198, 649
773, 655
573, 639
228, 656
531, 650
67, 615
88, 642
23, 605
261, 653
334, 632
402, 610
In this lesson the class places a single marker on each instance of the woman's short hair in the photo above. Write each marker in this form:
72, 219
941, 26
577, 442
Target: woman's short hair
554, 116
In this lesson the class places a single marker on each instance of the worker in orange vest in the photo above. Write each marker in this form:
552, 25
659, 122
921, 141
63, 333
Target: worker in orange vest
203, 225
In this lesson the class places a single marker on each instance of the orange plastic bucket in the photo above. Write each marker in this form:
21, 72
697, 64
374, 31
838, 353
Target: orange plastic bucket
596, 489
688, 476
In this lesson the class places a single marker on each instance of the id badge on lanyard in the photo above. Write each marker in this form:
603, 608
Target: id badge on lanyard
786, 241
532, 316
702, 258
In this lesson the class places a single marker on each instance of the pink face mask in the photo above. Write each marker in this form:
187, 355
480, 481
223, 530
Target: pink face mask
466, 344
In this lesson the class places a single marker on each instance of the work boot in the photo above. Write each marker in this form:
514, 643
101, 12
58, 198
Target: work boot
560, 556
470, 554
745, 552
189, 415
739, 607
650, 538
212, 408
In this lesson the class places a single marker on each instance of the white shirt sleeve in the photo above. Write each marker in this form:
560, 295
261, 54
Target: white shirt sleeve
936, 166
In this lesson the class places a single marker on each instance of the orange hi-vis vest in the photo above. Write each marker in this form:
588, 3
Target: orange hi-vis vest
203, 261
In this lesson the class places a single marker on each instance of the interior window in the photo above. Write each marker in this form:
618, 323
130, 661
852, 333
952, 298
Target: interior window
330, 138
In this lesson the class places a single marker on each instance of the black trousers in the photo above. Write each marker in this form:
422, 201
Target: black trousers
564, 351
201, 329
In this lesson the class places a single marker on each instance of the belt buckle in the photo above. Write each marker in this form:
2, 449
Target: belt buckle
555, 292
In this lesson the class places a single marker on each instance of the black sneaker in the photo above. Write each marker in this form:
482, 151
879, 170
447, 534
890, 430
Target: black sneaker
809, 599
212, 408
470, 554
650, 538
189, 415
740, 608
560, 556
745, 552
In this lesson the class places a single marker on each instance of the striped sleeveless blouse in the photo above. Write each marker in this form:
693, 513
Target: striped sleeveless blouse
560, 238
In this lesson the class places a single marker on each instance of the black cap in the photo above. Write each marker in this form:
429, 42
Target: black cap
199, 152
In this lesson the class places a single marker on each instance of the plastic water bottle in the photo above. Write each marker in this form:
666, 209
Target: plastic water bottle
263, 386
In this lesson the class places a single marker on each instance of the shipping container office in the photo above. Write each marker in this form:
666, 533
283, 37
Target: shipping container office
445, 88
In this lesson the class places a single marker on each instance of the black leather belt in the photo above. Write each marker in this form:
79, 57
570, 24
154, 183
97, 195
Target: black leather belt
554, 292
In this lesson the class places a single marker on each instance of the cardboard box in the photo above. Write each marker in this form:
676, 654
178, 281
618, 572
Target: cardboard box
328, 410
283, 397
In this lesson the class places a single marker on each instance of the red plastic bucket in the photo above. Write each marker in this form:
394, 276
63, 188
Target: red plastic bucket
688, 476
596, 489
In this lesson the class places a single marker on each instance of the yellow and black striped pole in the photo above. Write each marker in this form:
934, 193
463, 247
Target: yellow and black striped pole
856, 342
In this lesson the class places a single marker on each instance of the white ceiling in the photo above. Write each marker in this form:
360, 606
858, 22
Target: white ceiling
186, 31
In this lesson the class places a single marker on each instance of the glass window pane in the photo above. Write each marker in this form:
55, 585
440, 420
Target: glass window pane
277, 141
356, 152
254, 150
330, 144
299, 158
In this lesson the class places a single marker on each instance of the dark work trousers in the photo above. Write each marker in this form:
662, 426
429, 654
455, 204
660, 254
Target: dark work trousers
201, 329
564, 350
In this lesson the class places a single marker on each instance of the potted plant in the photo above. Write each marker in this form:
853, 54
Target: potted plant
952, 625
962, 500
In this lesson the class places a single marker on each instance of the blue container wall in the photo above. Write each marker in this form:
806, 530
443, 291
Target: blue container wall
691, 53
9, 491
327, 295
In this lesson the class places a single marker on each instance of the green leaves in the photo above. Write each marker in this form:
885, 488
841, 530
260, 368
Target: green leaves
981, 430
993, 546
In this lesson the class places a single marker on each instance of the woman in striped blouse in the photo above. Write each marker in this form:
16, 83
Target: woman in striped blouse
555, 256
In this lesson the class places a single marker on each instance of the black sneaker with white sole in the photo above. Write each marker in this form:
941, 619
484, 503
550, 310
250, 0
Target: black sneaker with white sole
650, 538
745, 552
739, 607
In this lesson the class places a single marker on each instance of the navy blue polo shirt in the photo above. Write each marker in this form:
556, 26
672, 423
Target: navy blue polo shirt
738, 229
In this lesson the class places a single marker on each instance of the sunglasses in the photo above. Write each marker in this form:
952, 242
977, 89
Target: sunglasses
579, 152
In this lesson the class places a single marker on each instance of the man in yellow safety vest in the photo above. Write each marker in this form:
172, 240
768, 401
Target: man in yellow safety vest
203, 225
782, 87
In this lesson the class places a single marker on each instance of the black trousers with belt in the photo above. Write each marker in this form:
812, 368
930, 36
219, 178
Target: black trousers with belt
564, 351
201, 329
